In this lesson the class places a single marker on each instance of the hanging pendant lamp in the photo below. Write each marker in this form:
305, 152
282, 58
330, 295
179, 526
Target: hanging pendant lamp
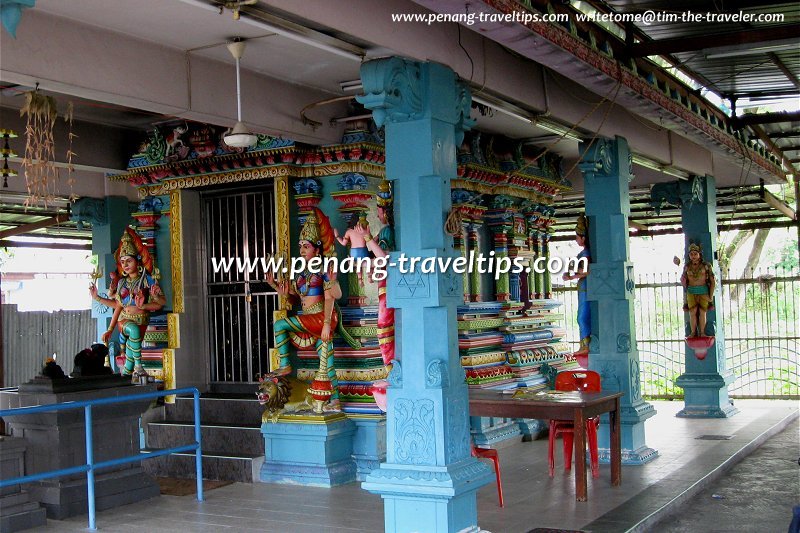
239, 136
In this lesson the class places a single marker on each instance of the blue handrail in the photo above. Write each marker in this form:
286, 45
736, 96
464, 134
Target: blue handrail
90, 465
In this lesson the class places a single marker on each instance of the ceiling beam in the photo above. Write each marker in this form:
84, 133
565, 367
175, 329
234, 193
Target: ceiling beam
704, 42
19, 230
764, 118
777, 204
48, 245
786, 72
784, 134
763, 94
679, 230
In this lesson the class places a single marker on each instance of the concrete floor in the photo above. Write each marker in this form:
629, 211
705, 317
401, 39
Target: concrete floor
649, 493
757, 494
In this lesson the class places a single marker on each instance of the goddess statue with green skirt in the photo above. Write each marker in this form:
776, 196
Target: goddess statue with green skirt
317, 291
134, 293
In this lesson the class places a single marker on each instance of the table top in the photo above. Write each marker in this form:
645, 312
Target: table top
545, 398
547, 404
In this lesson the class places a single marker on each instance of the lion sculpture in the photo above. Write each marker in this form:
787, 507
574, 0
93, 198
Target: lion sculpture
280, 394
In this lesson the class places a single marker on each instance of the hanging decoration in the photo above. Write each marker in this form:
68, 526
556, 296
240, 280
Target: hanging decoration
39, 162
6, 153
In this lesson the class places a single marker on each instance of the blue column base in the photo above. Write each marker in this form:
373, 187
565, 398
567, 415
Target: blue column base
634, 449
487, 432
531, 428
315, 451
369, 443
430, 498
706, 395
629, 457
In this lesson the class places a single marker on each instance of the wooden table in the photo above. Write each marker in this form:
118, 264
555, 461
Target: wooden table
578, 407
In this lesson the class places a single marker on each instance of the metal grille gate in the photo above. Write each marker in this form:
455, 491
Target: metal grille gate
239, 229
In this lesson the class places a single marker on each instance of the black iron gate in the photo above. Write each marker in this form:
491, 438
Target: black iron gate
239, 227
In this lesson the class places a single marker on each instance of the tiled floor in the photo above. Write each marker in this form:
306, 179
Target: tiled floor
532, 498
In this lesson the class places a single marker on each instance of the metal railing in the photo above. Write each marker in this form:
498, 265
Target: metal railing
761, 316
90, 466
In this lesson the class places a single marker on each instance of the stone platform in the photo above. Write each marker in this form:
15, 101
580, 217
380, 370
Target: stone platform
55, 441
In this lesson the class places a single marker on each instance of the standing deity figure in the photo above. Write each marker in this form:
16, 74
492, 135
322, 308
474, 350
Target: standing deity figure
380, 246
354, 238
134, 294
317, 291
699, 282
584, 317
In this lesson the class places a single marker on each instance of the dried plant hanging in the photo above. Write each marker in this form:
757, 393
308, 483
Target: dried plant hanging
70, 154
41, 174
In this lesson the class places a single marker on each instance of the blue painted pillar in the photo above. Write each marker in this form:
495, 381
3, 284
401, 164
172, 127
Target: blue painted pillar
429, 480
109, 217
705, 382
606, 166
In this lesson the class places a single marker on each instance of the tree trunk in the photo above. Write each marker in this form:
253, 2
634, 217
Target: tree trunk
730, 251
752, 260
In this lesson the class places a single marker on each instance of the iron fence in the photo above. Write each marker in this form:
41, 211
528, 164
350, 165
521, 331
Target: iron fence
761, 316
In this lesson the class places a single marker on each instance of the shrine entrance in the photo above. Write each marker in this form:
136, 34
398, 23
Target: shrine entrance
239, 230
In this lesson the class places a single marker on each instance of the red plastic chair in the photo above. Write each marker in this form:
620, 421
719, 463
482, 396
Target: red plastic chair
486, 453
582, 381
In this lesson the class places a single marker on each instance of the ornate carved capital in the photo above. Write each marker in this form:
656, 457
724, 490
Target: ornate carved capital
392, 89
463, 107
678, 193
598, 159
89, 210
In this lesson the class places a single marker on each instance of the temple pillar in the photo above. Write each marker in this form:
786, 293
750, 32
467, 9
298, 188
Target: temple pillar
547, 281
606, 166
429, 480
475, 279
705, 382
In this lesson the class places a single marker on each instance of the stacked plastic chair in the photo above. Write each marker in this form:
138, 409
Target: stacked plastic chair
581, 381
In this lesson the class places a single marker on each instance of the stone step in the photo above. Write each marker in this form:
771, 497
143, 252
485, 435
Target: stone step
221, 466
230, 439
217, 410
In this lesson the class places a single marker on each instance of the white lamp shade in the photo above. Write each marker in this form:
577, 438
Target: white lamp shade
240, 137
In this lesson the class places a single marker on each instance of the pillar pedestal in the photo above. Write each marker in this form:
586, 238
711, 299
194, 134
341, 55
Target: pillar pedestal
316, 451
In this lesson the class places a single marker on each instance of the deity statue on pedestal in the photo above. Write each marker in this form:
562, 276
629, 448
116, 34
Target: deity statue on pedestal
317, 290
134, 294
699, 282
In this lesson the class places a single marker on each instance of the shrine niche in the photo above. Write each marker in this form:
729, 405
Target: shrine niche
510, 327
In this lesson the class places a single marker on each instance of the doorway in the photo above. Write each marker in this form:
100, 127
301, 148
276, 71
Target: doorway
240, 230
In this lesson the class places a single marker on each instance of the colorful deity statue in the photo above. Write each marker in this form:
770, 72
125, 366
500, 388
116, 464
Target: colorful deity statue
317, 290
584, 317
380, 246
134, 293
699, 282
354, 238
